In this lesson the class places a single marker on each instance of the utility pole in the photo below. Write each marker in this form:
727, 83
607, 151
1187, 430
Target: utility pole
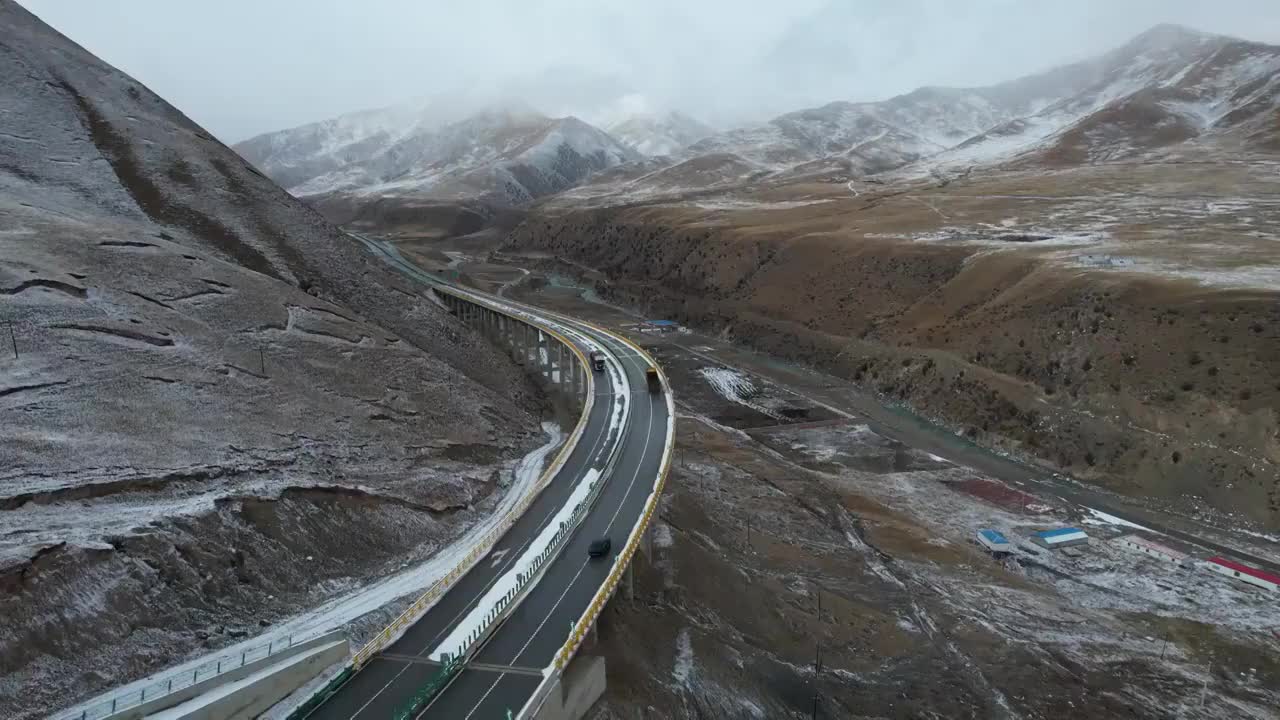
13, 339
819, 604
815, 706
262, 362
749, 533
817, 660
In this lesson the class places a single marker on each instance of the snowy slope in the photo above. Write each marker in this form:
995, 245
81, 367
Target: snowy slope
922, 123
212, 386
298, 154
1167, 86
508, 154
651, 135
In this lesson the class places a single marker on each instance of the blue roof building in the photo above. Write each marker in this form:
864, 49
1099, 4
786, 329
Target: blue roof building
994, 541
1061, 537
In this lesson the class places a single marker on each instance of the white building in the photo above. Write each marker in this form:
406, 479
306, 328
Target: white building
1243, 573
1137, 543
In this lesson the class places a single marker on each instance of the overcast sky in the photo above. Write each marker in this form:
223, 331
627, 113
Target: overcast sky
242, 67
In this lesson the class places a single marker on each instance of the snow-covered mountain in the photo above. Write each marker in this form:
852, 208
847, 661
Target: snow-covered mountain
652, 135
509, 155
839, 128
294, 156
1166, 86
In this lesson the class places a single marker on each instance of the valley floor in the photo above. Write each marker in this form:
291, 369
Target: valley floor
816, 551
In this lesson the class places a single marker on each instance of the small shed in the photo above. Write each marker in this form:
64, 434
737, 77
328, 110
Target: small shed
662, 326
1137, 543
1243, 573
1061, 537
994, 541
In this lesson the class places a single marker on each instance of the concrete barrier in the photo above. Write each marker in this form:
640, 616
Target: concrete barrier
180, 696
252, 695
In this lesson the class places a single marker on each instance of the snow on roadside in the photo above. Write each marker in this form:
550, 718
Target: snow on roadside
1097, 517
205, 700
738, 388
732, 384
348, 607
510, 580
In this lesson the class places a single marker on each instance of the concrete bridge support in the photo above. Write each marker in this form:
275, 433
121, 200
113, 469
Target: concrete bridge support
581, 685
553, 361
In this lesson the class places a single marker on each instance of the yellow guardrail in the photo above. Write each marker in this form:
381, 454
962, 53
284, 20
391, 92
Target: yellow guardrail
633, 542
441, 586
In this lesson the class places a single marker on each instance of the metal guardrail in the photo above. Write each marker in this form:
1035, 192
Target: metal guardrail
428, 598
427, 692
437, 683
579, 630
459, 659
184, 679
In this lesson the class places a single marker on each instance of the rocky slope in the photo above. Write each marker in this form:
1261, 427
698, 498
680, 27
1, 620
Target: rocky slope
215, 409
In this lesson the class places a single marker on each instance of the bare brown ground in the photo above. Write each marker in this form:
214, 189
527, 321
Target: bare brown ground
1118, 323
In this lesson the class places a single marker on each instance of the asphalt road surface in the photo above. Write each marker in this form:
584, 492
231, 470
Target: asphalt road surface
529, 639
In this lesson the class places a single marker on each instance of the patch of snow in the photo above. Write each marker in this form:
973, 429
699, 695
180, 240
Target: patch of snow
361, 601
731, 204
206, 699
1266, 277
1097, 517
970, 236
874, 563
529, 562
683, 667
662, 535
736, 387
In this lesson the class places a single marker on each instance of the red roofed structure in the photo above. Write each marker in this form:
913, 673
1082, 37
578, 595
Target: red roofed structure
1244, 573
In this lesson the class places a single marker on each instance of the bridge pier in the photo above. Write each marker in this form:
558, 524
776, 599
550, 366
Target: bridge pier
577, 689
553, 361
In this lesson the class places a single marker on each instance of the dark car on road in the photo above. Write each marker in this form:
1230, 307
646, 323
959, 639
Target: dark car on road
600, 548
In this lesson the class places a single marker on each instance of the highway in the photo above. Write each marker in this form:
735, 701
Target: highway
628, 428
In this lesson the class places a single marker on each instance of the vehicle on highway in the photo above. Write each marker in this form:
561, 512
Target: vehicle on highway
599, 547
654, 381
597, 361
